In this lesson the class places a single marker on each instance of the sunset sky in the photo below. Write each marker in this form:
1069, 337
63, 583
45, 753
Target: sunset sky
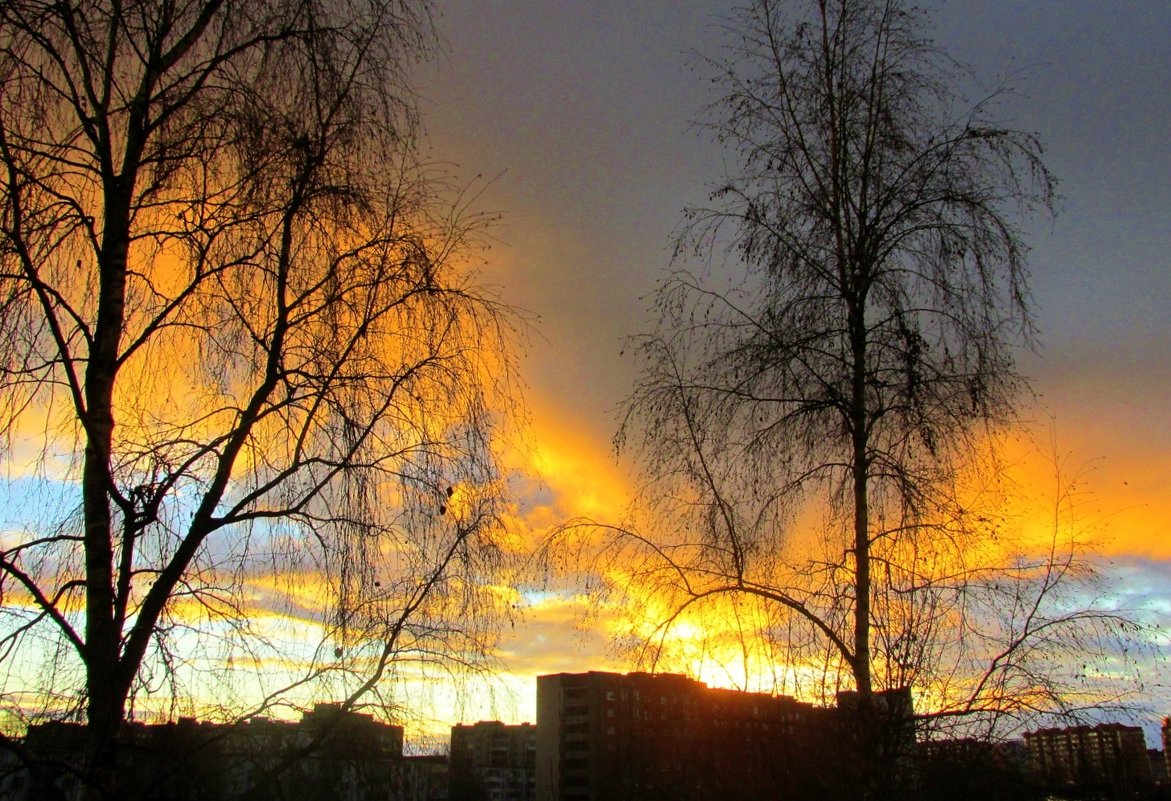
573, 122
582, 111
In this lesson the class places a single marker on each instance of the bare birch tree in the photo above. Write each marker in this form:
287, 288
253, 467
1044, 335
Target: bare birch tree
246, 367
808, 425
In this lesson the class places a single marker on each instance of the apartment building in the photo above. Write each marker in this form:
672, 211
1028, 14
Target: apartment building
1109, 755
645, 737
491, 761
331, 753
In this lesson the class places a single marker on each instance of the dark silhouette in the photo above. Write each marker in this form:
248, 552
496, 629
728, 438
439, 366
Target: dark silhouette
241, 346
818, 398
328, 755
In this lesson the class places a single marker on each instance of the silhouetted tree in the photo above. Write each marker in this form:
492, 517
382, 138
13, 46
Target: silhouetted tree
246, 373
805, 424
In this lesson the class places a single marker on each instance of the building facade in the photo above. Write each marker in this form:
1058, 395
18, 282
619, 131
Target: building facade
1165, 736
1109, 756
646, 737
491, 761
331, 753
422, 777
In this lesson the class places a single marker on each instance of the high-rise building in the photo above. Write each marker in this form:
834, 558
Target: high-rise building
491, 761
644, 737
1109, 755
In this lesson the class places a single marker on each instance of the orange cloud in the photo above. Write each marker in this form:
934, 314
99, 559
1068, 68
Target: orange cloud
1116, 501
579, 475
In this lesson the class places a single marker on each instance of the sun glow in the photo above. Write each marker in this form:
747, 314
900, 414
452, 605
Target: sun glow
584, 481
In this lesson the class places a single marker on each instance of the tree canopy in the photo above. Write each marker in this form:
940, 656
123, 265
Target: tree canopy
248, 374
821, 396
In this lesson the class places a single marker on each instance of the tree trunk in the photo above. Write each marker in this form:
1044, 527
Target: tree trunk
865, 732
105, 687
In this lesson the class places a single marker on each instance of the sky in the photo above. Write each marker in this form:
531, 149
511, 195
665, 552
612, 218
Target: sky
580, 115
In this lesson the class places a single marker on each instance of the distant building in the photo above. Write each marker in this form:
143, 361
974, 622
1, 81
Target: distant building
1158, 762
970, 769
493, 762
646, 737
1110, 756
329, 754
421, 778
1165, 731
